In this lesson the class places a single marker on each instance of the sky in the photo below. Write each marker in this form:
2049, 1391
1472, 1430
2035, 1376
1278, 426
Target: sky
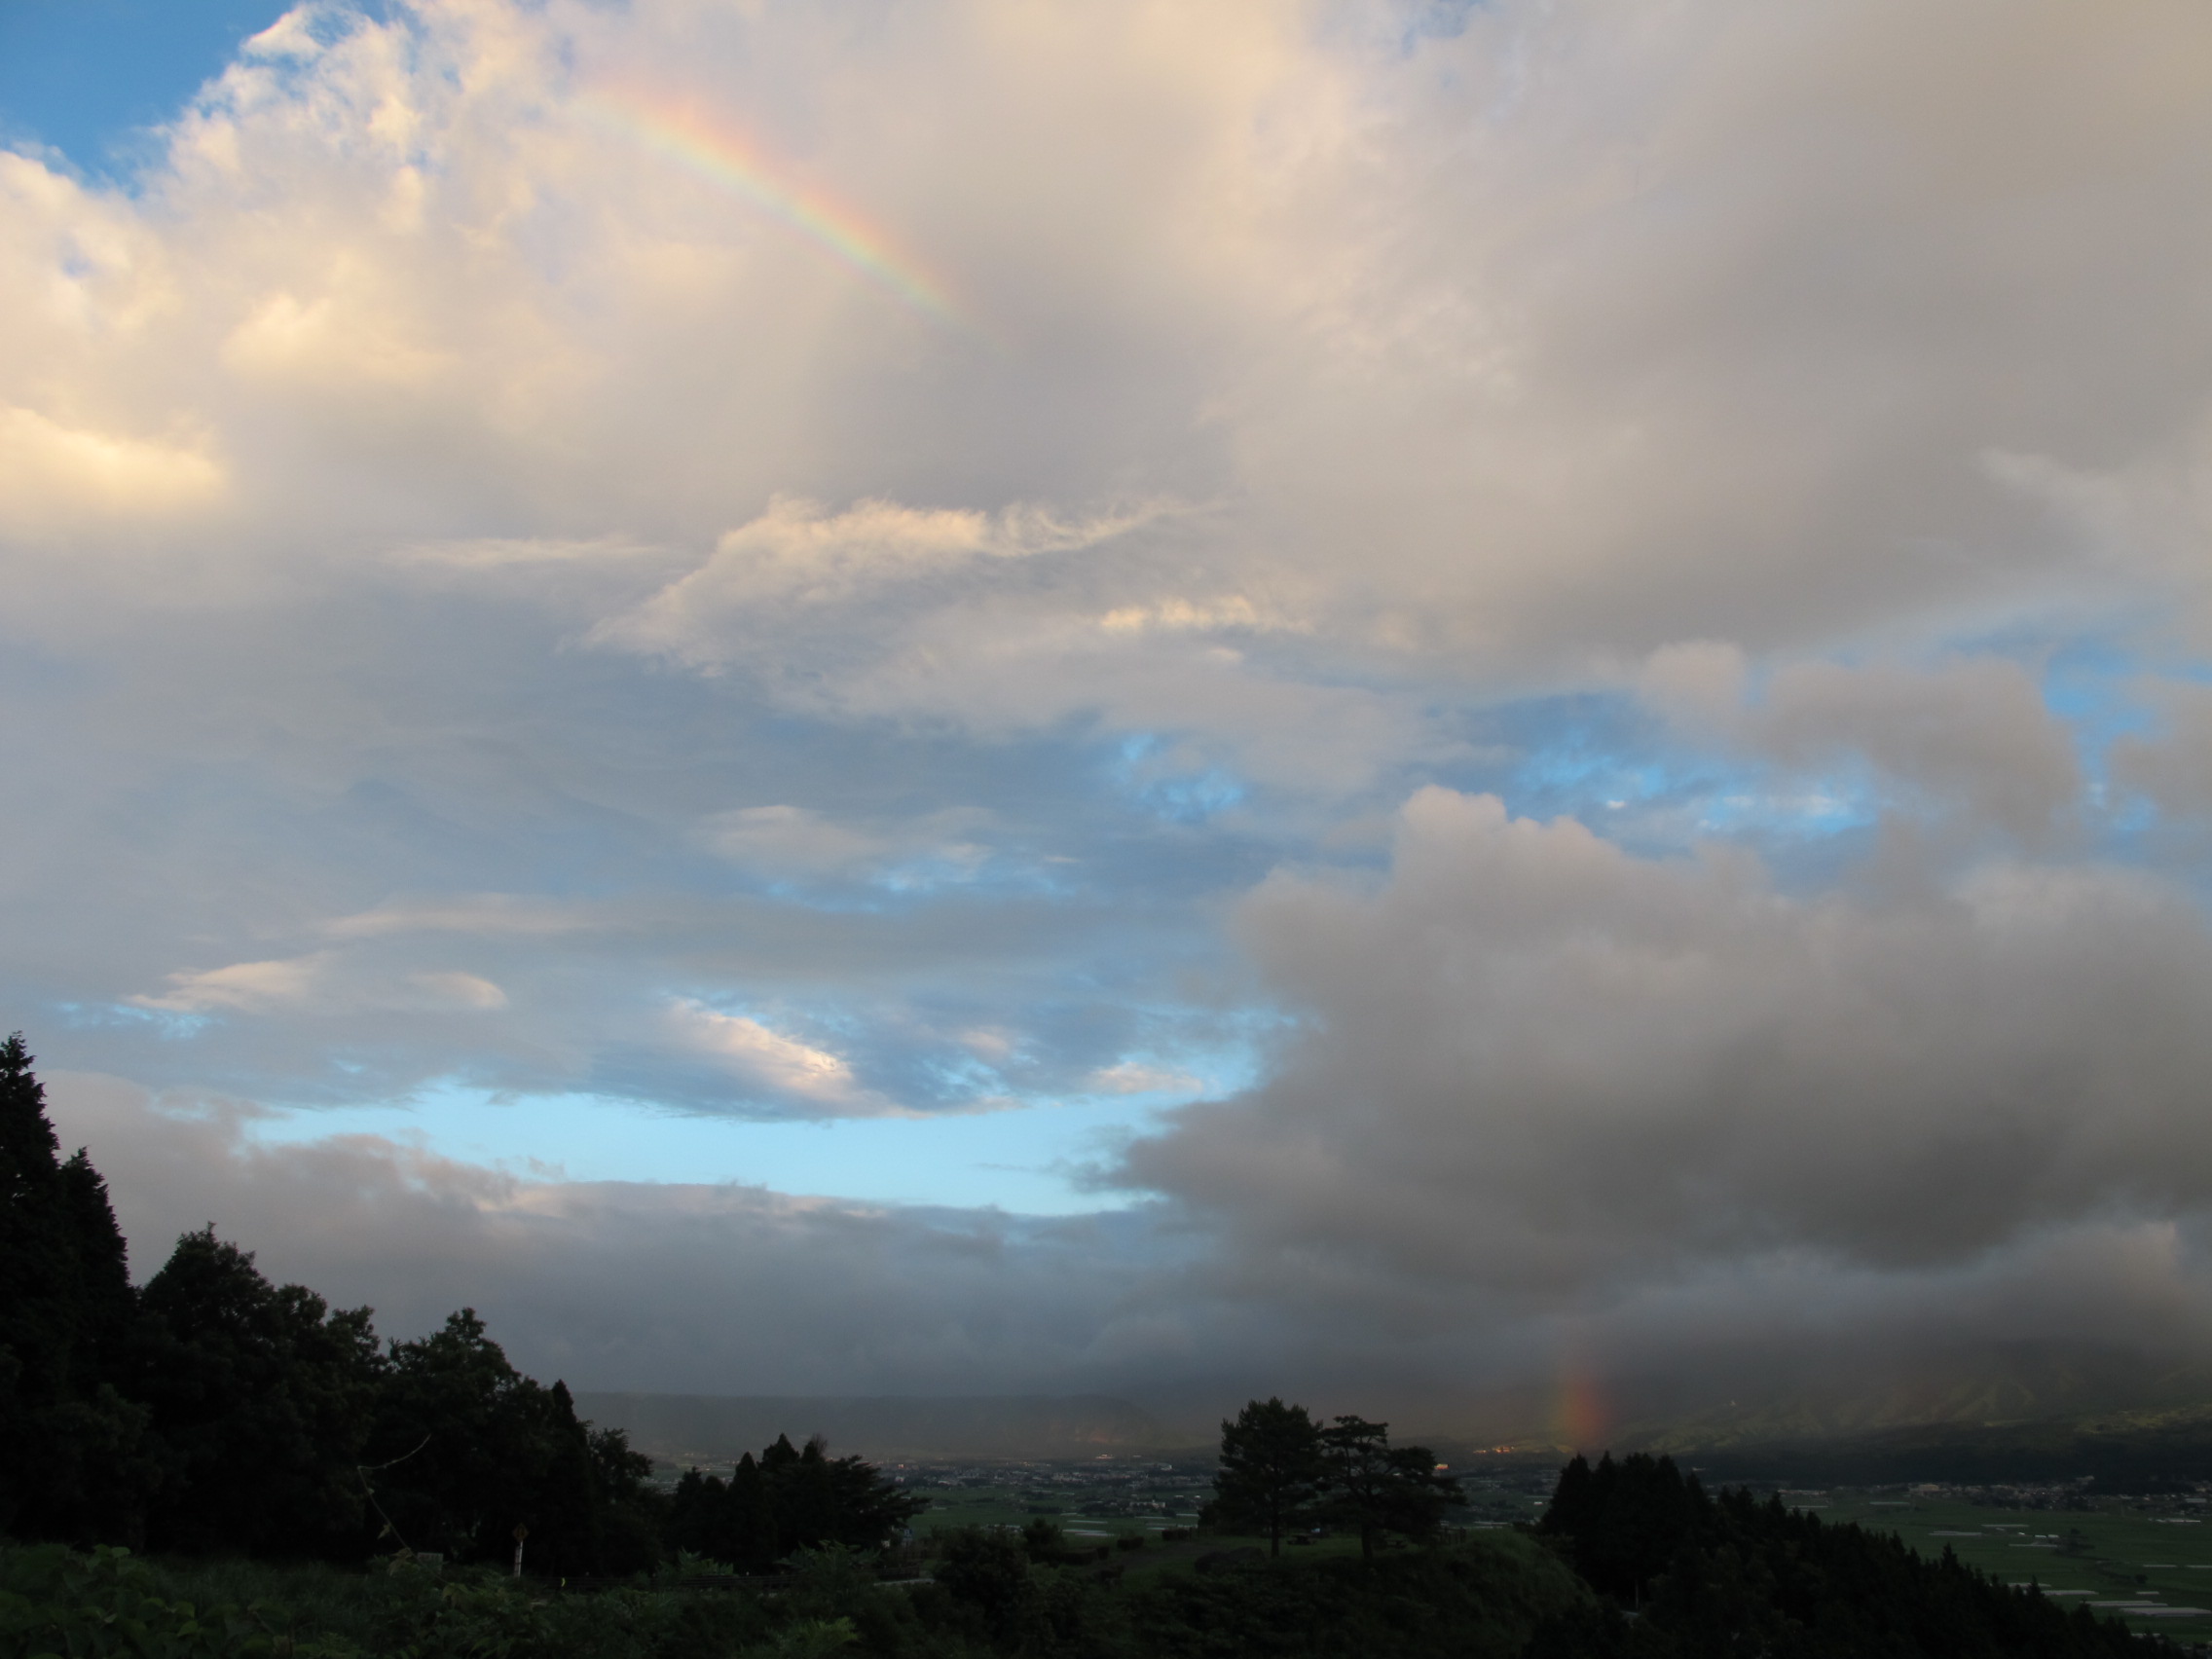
1423, 704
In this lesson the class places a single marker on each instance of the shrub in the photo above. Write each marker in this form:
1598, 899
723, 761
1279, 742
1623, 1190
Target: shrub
55, 1601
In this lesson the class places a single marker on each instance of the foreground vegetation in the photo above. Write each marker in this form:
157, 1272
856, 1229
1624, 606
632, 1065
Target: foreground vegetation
1481, 1599
1630, 1563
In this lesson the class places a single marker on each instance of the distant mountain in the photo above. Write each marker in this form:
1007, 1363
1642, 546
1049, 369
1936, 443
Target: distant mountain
2134, 1452
1985, 1389
717, 1428
2041, 1411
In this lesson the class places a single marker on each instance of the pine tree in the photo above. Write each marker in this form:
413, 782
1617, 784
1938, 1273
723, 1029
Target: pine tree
1379, 1487
752, 1518
70, 1463
1270, 1469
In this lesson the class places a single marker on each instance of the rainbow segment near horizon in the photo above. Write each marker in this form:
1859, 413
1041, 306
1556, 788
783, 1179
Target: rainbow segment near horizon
712, 147
1580, 1415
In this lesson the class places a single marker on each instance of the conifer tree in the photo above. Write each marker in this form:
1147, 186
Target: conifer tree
70, 1462
1378, 1487
1270, 1469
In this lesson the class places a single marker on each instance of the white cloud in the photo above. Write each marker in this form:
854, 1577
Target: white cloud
250, 987
322, 983
768, 1060
797, 556
55, 478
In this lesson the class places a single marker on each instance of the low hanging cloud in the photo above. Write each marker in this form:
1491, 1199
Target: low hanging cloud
1540, 1066
713, 1289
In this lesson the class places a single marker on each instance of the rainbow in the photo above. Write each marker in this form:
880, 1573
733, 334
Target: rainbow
717, 152
1581, 1417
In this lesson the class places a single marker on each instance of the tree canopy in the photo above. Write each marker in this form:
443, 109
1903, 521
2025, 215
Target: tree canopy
791, 1498
1271, 1470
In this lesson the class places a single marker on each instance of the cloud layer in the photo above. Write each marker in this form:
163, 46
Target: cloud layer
1575, 632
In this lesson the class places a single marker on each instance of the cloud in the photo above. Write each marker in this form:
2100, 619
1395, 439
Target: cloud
1539, 1066
1972, 739
848, 624
620, 1286
322, 983
2172, 766
1133, 1077
788, 843
54, 477
734, 1289
797, 557
771, 1061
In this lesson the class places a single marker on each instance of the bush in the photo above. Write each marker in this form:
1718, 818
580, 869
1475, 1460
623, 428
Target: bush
55, 1601
985, 1570
1129, 1541
1483, 1599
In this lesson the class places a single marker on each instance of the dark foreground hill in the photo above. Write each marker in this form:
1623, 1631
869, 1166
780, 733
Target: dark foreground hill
716, 1428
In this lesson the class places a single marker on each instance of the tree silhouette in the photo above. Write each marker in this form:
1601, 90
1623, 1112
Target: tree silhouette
74, 1464
262, 1401
1271, 1468
1379, 1487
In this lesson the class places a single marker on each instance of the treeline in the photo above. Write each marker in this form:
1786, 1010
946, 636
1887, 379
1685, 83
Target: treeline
787, 1500
1680, 1573
214, 1411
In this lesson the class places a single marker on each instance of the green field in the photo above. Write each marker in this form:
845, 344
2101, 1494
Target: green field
998, 1509
1009, 1509
2117, 1552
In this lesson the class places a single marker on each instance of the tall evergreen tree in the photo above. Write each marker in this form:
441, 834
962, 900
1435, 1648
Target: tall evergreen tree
1270, 1469
1625, 1522
70, 1461
793, 1499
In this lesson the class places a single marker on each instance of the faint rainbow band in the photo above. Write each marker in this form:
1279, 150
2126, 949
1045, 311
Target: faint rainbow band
713, 148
